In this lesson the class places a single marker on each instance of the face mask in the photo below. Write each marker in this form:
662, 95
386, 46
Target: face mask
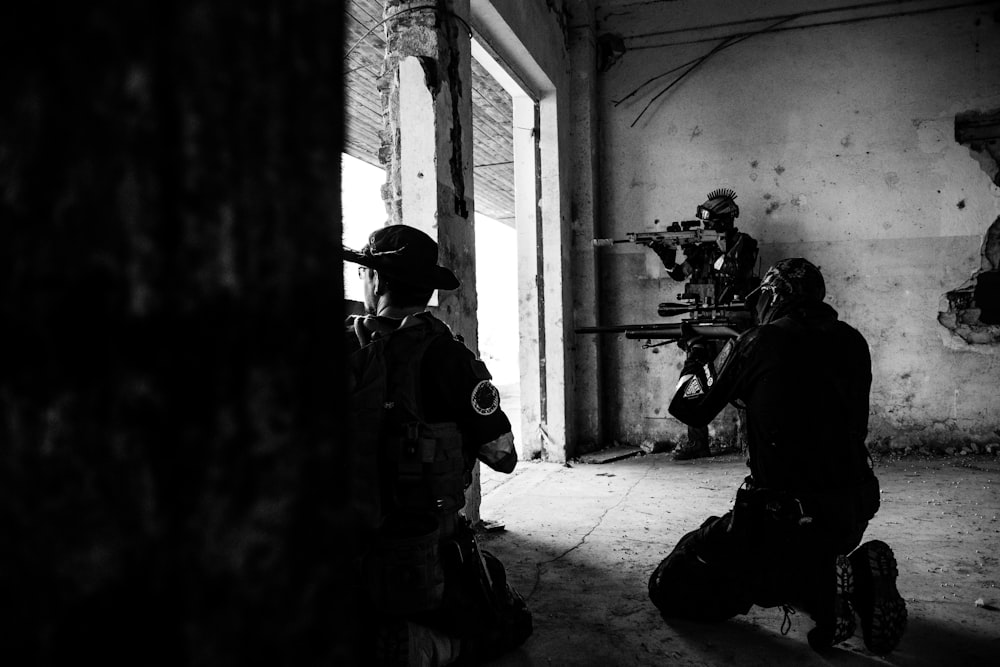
764, 302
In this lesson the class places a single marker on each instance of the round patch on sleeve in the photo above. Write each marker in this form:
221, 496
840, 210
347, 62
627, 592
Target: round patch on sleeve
485, 398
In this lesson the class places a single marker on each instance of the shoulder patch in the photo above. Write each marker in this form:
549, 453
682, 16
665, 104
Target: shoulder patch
485, 398
693, 387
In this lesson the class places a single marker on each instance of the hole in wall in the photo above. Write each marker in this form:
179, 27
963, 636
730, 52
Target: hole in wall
972, 311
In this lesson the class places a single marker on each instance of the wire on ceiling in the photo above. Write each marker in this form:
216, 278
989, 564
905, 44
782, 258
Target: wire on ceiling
724, 44
731, 40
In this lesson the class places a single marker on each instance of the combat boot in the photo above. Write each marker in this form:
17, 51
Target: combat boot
841, 627
687, 453
876, 599
696, 446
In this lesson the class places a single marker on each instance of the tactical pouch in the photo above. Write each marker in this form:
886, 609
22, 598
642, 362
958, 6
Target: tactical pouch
430, 467
766, 511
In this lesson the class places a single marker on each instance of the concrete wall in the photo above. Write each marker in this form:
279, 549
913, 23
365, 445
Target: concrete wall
839, 141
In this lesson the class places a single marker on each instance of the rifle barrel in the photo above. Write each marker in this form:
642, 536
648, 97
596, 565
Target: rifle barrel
665, 331
669, 309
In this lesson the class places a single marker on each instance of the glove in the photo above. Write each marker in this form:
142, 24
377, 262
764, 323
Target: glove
688, 336
666, 253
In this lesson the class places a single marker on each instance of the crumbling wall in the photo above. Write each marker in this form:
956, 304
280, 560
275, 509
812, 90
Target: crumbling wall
427, 149
971, 312
839, 140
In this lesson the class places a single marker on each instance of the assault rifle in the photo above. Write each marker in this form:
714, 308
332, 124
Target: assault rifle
708, 318
676, 235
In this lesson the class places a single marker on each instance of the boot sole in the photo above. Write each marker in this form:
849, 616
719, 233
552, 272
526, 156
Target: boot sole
881, 608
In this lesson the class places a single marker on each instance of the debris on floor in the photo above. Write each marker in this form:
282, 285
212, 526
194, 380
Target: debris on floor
492, 526
611, 454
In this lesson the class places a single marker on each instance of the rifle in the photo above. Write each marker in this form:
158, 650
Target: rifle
710, 318
712, 323
675, 236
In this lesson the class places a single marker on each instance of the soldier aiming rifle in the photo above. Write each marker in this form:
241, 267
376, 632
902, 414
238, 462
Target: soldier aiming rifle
718, 274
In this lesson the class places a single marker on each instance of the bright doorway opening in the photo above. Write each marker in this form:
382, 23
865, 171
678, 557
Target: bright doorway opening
497, 242
363, 213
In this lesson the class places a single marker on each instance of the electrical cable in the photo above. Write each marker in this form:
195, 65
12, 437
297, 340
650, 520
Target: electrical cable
821, 24
724, 44
775, 27
658, 76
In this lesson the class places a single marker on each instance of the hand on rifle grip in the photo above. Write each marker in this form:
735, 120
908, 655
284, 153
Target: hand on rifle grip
666, 253
695, 345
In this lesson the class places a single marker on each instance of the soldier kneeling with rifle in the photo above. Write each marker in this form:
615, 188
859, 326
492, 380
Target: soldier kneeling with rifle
791, 538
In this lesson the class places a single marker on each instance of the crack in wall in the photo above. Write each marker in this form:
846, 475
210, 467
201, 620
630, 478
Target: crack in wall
456, 162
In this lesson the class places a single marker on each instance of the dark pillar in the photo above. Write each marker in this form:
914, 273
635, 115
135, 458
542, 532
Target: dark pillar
171, 303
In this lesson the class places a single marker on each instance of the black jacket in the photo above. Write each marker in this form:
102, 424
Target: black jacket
804, 380
454, 385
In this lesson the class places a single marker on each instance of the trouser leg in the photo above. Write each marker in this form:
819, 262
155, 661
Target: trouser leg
696, 445
700, 579
812, 577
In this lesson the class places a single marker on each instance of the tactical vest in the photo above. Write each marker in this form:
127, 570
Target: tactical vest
414, 471
420, 464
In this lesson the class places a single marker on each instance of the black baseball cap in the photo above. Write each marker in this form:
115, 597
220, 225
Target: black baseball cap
406, 253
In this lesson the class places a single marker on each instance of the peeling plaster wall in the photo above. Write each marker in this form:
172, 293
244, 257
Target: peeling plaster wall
839, 141
428, 144
426, 85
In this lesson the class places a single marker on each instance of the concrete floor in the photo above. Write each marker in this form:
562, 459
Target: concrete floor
580, 541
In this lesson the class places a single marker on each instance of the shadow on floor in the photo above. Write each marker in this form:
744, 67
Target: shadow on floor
581, 542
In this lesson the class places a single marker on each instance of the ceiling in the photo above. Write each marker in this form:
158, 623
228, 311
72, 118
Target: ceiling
493, 155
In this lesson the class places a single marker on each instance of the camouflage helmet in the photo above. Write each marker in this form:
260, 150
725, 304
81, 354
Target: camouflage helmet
719, 207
